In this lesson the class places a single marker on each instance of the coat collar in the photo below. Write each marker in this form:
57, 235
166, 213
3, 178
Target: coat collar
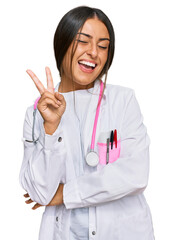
96, 88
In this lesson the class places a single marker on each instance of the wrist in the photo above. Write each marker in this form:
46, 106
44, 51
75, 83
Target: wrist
50, 128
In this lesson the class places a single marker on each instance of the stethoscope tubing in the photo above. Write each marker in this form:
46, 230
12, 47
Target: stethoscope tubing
34, 119
96, 117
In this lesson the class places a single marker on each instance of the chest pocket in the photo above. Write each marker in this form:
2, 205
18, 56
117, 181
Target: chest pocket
114, 153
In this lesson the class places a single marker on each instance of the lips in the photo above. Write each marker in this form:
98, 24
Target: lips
87, 66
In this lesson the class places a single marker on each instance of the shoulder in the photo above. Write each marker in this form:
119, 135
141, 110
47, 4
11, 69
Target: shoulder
29, 114
117, 92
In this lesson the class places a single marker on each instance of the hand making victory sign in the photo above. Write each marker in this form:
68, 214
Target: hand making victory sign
51, 105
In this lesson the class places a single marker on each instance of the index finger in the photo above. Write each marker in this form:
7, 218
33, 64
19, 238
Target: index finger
37, 82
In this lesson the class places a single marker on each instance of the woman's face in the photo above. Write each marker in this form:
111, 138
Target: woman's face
90, 55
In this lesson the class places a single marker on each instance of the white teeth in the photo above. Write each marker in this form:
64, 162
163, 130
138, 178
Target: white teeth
87, 63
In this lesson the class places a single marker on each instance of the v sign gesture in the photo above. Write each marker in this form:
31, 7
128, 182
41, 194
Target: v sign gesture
51, 105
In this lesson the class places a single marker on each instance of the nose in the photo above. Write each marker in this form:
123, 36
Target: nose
92, 51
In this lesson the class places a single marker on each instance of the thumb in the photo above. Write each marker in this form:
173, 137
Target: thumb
59, 97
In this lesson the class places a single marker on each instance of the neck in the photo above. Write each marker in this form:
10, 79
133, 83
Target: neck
69, 86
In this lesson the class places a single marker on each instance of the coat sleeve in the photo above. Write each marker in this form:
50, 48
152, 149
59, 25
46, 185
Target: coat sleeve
126, 176
43, 166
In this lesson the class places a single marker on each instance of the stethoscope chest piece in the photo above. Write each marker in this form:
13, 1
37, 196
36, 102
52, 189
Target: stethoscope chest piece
92, 159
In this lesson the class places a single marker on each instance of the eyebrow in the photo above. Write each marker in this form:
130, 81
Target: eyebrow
89, 36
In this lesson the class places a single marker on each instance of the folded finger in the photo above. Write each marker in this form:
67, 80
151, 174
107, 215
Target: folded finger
26, 195
49, 101
37, 205
60, 98
29, 201
49, 98
36, 81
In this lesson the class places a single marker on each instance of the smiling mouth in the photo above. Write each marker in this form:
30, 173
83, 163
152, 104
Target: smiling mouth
86, 66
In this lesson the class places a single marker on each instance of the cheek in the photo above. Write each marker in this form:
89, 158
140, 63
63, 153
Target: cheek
104, 58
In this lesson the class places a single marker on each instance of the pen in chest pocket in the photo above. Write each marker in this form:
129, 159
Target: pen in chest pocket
107, 153
115, 137
111, 139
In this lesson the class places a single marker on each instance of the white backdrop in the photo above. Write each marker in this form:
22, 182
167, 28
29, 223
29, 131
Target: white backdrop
144, 60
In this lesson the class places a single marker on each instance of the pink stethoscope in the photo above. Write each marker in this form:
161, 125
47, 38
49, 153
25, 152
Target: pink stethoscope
92, 158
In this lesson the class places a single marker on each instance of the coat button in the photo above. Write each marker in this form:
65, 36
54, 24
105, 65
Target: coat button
57, 219
59, 139
93, 233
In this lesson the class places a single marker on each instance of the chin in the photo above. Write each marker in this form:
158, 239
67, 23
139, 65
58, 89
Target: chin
84, 81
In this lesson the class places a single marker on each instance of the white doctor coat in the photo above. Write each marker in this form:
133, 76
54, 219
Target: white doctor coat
113, 192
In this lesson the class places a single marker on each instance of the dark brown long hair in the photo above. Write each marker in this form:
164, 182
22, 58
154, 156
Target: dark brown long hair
68, 28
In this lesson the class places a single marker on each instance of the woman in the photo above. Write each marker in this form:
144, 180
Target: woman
86, 152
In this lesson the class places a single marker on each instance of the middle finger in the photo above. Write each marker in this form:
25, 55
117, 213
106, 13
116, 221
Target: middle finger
50, 84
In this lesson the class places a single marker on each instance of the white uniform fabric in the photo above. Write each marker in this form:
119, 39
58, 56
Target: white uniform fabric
79, 220
113, 192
